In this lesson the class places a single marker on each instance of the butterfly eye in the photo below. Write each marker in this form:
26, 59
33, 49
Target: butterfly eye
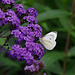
50, 38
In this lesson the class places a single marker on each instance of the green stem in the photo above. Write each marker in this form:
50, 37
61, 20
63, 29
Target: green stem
68, 41
4, 33
8, 38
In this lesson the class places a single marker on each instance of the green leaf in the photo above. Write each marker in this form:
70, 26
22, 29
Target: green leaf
71, 52
52, 57
65, 22
45, 26
58, 3
11, 43
53, 68
71, 73
2, 41
13, 71
4, 28
73, 33
71, 70
40, 7
51, 14
8, 62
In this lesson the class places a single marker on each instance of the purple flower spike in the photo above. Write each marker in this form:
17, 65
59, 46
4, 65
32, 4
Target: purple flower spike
26, 48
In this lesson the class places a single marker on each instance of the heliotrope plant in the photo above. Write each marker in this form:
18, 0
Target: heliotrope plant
26, 47
30, 50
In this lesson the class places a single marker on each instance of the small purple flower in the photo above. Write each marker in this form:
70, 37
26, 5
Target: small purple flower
30, 19
33, 67
36, 67
32, 12
20, 10
8, 1
35, 30
36, 49
1, 14
2, 17
44, 74
16, 33
29, 33
21, 54
12, 18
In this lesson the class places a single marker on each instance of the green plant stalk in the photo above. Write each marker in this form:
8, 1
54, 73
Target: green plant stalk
4, 33
68, 40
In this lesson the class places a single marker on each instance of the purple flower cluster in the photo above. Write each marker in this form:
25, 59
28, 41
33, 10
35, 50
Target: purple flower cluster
30, 19
35, 49
2, 17
35, 68
11, 18
21, 54
7, 1
20, 10
26, 48
28, 15
32, 12
29, 53
28, 35
44, 74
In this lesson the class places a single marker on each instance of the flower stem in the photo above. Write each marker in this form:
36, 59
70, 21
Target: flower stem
1, 26
68, 41
4, 33
8, 38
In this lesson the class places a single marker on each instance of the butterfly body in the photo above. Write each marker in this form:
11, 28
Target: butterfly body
49, 40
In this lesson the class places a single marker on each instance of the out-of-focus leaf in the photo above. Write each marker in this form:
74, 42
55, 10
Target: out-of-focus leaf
65, 22
71, 52
52, 57
40, 7
53, 68
51, 14
11, 43
48, 73
8, 62
45, 26
2, 41
71, 71
13, 71
4, 28
73, 34
58, 3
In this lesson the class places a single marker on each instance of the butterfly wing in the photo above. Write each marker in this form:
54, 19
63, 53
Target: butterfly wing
50, 36
48, 44
49, 40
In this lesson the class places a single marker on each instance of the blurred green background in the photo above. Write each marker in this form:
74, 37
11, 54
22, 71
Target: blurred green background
53, 15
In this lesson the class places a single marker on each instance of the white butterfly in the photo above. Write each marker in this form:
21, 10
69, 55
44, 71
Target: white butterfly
49, 40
